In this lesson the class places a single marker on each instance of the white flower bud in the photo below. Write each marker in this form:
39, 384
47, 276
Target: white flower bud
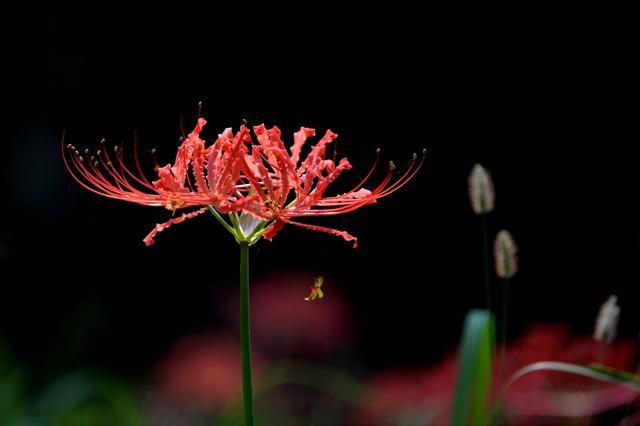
607, 321
481, 190
248, 223
505, 254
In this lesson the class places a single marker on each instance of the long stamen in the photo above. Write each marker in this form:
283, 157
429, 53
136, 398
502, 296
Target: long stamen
368, 175
406, 177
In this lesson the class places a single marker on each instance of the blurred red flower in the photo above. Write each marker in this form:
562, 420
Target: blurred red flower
284, 324
424, 395
562, 394
203, 371
427, 393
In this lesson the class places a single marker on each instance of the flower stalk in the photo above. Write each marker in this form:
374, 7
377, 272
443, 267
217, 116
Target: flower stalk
245, 335
246, 234
506, 265
245, 238
485, 263
482, 197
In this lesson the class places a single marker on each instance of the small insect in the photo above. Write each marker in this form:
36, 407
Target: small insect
316, 291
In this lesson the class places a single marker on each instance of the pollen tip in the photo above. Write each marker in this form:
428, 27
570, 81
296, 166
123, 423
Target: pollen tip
378, 150
81, 159
415, 156
69, 146
392, 165
93, 158
99, 152
115, 148
424, 151
76, 152
153, 150
103, 140
86, 151
95, 164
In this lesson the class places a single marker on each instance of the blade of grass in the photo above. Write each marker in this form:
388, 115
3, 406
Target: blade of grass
594, 371
473, 383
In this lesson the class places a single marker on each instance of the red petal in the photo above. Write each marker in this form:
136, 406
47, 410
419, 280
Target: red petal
148, 240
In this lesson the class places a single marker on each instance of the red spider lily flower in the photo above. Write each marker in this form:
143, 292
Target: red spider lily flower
274, 173
269, 185
200, 176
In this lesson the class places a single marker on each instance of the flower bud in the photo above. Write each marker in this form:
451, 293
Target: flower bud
481, 190
505, 254
607, 321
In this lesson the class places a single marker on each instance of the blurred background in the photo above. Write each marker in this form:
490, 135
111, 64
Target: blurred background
86, 305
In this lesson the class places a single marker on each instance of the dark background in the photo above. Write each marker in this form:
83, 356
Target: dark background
541, 104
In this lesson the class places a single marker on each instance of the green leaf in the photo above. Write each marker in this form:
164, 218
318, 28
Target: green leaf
594, 371
473, 384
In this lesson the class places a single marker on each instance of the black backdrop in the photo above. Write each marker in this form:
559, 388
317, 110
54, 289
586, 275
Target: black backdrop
541, 106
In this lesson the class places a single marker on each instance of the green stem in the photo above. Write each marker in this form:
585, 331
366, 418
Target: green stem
222, 221
503, 328
236, 223
245, 335
485, 254
487, 284
602, 349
